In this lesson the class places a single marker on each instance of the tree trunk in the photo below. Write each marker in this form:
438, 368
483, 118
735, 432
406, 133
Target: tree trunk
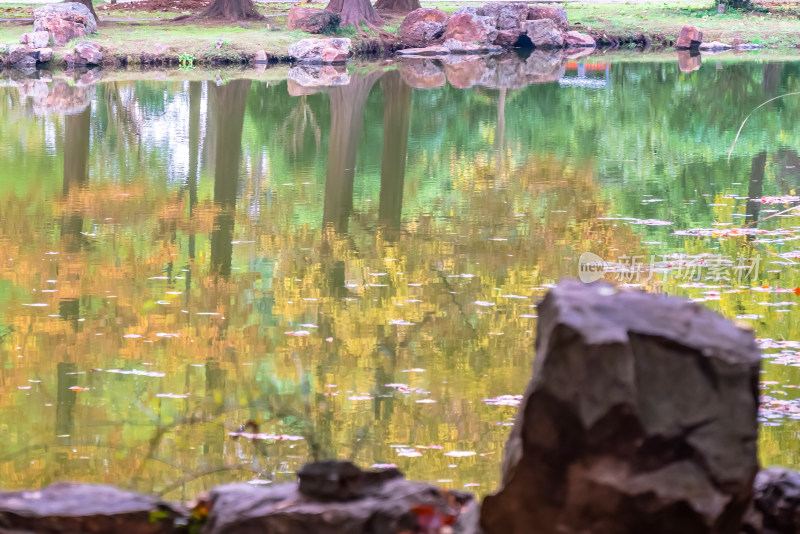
396, 118
231, 102
399, 6
88, 3
232, 10
355, 12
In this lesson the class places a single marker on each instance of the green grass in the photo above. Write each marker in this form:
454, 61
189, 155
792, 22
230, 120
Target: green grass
781, 28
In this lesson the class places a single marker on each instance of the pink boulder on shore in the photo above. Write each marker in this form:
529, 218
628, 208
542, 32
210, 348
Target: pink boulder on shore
422, 27
690, 37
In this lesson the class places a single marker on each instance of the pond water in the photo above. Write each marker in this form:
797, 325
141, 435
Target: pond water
355, 269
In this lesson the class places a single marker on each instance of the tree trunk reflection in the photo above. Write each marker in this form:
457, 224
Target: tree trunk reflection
231, 100
396, 116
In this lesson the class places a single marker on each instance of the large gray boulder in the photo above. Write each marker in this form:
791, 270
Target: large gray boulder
470, 28
557, 14
422, 27
507, 15
543, 33
83, 508
640, 418
64, 22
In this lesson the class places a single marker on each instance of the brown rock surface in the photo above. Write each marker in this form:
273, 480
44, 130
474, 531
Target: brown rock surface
507, 38
579, 40
640, 418
66, 21
507, 15
690, 37
543, 33
470, 28
556, 14
422, 27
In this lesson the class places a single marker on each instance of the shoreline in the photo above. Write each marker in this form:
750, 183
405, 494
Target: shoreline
160, 42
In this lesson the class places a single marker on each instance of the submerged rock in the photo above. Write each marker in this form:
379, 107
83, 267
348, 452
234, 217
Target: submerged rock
460, 47
422, 27
690, 37
338, 499
64, 22
715, 46
427, 51
313, 20
640, 418
470, 28
81, 508
320, 51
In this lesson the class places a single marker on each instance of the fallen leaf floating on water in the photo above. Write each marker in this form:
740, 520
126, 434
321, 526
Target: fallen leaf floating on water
786, 199
460, 454
383, 466
504, 400
265, 436
136, 372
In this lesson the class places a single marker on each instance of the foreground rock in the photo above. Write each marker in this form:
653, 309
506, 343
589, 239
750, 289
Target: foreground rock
339, 498
79, 508
776, 503
640, 418
312, 20
64, 22
320, 51
422, 27
690, 37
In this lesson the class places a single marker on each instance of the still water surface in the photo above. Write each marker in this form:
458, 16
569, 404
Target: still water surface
356, 269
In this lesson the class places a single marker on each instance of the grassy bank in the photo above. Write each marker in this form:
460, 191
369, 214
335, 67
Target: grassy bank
140, 35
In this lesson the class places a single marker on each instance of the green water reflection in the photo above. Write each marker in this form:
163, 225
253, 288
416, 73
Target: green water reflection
358, 266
